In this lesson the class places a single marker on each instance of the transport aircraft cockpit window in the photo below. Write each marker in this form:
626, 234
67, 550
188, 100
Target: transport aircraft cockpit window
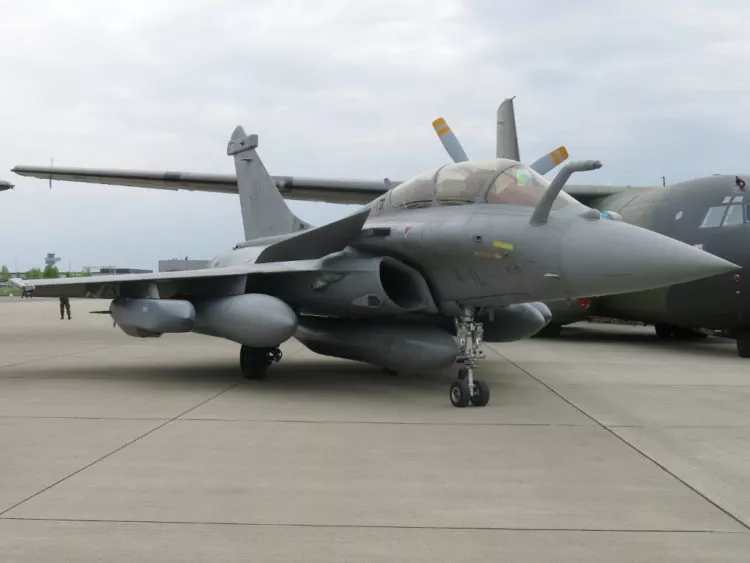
415, 193
713, 217
733, 217
520, 185
459, 184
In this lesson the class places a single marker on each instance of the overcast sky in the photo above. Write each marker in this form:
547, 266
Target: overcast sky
342, 89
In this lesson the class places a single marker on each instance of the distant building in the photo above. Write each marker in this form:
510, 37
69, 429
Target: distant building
107, 270
181, 264
121, 271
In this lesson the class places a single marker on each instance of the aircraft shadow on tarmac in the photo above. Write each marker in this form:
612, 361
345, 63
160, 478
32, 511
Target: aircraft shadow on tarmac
291, 377
642, 336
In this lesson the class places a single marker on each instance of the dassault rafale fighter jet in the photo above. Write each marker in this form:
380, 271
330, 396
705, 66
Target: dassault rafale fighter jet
415, 280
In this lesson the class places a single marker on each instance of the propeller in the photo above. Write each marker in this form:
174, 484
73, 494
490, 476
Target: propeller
506, 143
550, 160
449, 140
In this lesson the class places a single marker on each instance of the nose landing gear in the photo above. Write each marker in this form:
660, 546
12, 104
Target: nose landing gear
467, 390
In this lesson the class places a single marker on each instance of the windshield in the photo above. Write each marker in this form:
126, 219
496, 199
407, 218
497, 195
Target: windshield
417, 192
520, 185
462, 183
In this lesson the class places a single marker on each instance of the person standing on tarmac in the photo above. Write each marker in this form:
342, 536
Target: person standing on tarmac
64, 307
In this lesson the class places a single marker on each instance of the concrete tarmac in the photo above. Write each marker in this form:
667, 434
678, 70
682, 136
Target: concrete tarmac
604, 445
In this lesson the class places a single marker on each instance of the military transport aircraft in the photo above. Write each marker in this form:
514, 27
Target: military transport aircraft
480, 243
711, 213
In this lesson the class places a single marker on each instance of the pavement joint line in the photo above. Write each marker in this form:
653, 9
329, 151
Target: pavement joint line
118, 449
94, 378
30, 417
633, 447
386, 422
374, 526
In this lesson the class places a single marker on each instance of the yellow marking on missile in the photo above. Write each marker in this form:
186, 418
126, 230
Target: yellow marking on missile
504, 245
438, 122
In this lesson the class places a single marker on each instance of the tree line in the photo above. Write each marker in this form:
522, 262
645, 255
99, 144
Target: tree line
38, 273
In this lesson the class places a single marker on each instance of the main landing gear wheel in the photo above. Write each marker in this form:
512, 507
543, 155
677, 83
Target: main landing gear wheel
254, 362
466, 389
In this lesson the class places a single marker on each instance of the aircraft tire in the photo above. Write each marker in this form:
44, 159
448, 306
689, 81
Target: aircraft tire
460, 393
552, 330
663, 330
743, 343
481, 393
254, 362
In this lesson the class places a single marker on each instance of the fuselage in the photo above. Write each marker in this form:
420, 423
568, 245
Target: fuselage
467, 229
709, 213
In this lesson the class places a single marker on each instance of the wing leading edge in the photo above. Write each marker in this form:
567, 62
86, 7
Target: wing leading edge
327, 190
139, 285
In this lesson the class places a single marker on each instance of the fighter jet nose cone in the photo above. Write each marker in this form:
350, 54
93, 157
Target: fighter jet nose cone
609, 257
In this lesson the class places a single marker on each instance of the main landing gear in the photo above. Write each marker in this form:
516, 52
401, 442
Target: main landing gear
466, 389
743, 343
254, 362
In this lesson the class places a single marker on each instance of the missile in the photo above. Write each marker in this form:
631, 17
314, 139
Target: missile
397, 346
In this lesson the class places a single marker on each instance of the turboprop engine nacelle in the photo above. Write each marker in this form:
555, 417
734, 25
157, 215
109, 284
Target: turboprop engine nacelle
253, 319
396, 346
147, 318
358, 286
516, 322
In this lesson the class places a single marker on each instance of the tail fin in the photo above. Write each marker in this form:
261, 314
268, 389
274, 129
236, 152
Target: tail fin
264, 211
507, 139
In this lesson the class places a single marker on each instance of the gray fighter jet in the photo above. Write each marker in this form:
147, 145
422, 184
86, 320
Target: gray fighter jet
5, 186
414, 281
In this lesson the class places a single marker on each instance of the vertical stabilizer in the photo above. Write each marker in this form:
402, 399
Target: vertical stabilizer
264, 211
507, 138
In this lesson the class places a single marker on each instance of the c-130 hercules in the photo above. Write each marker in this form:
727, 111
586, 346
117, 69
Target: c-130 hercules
479, 243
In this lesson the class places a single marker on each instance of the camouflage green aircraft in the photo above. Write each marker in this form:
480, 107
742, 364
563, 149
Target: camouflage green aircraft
415, 280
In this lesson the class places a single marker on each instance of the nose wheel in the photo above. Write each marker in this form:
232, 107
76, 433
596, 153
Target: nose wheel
254, 362
466, 390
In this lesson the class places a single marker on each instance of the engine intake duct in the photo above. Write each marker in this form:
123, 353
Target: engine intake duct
411, 347
355, 286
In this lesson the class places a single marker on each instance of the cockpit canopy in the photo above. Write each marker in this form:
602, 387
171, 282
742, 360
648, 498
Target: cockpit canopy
496, 181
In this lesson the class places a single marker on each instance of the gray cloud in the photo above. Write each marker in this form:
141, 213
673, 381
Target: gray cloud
342, 89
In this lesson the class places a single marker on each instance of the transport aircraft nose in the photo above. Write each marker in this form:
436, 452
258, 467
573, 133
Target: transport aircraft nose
609, 257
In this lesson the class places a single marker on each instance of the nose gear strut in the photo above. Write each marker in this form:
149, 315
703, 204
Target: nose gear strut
466, 389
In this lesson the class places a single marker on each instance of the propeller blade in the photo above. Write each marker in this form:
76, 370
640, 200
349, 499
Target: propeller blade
550, 160
449, 140
507, 138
